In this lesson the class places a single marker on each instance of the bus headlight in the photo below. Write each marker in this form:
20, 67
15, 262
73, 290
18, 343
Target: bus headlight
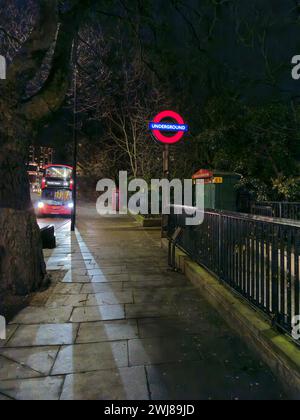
71, 205
40, 205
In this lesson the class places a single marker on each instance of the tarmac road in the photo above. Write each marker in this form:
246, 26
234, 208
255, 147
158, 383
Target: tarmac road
56, 221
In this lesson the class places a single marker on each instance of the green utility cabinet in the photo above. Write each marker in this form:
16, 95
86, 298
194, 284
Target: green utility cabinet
220, 189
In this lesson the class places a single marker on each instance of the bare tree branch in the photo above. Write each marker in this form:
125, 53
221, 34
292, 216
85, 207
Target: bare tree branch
10, 36
53, 92
30, 57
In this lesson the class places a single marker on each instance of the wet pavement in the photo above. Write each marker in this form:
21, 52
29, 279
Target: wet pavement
57, 222
119, 325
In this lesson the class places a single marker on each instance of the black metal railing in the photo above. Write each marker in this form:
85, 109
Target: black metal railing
281, 210
256, 256
262, 210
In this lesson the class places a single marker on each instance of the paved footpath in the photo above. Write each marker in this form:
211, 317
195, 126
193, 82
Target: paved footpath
119, 325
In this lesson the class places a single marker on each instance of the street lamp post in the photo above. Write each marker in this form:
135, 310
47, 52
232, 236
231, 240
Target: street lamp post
75, 138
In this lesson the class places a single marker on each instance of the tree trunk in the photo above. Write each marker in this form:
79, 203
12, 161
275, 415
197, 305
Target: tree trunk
22, 267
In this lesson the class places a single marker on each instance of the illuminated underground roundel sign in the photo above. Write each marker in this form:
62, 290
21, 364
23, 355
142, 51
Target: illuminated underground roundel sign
159, 128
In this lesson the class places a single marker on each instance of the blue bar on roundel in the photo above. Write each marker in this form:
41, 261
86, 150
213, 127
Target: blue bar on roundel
168, 127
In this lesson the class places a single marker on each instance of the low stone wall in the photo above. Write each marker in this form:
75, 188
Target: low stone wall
148, 222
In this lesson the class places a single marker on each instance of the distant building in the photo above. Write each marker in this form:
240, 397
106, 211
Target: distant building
38, 158
41, 156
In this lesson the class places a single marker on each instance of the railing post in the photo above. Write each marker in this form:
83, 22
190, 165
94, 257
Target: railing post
220, 273
280, 210
275, 276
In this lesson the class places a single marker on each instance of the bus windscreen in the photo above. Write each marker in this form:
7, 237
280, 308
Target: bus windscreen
62, 196
58, 172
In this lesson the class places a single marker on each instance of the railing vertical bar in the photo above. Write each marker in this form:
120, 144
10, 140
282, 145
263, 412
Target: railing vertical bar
222, 238
282, 273
239, 255
275, 273
253, 262
244, 237
234, 272
257, 251
231, 256
289, 278
262, 266
297, 274
218, 240
248, 269
268, 269
226, 234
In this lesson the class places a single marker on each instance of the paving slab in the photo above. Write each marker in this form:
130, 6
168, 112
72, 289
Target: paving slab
78, 272
39, 359
147, 273
151, 351
58, 300
83, 358
93, 288
107, 263
167, 296
75, 264
150, 310
110, 298
109, 278
220, 348
162, 327
112, 385
44, 335
40, 389
39, 300
31, 315
104, 271
68, 289
107, 331
61, 259
98, 313
136, 264
9, 369
76, 278
159, 283
4, 398
10, 330
55, 267
160, 275
202, 381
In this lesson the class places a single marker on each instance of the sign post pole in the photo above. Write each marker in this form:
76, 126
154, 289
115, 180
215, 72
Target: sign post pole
167, 133
166, 161
166, 175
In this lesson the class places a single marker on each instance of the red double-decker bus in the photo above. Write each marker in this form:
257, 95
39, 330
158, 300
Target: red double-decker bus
57, 191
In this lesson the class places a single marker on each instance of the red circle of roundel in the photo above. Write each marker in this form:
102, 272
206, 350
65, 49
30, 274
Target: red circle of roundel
164, 139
